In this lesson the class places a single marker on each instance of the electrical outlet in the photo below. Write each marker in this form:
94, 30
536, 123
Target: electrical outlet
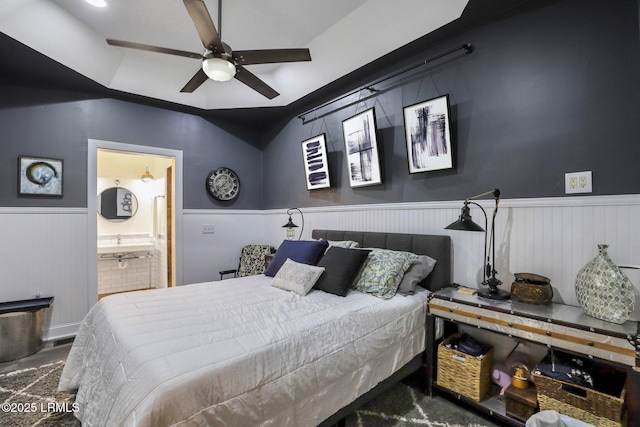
208, 229
578, 182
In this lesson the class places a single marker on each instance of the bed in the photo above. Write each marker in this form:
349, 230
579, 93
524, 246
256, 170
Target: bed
242, 352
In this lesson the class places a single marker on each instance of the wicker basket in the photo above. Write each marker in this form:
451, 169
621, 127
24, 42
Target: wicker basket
462, 373
582, 403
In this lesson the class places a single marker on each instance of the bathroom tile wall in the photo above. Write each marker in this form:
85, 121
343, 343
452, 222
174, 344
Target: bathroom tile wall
126, 274
126, 271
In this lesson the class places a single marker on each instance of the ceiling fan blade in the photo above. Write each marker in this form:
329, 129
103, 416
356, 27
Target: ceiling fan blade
204, 25
156, 49
250, 79
270, 56
195, 82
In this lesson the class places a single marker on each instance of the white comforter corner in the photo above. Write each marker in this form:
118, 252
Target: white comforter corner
236, 352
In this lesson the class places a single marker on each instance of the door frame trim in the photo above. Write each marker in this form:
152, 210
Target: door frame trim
92, 217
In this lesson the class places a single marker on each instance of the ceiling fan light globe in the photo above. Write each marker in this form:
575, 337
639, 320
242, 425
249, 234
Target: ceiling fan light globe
97, 3
218, 69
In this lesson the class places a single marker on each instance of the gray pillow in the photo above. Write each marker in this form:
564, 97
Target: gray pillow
418, 271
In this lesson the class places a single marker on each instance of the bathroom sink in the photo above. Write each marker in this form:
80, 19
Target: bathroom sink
124, 247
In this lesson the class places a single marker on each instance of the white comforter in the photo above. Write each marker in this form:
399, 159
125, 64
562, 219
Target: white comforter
236, 352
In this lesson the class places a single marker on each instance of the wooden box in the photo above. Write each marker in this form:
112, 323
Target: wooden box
521, 403
462, 373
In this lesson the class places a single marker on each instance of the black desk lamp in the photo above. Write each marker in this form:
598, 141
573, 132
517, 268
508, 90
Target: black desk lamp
465, 223
290, 225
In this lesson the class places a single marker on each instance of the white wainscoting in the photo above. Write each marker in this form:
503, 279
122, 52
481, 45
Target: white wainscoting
46, 249
205, 255
553, 237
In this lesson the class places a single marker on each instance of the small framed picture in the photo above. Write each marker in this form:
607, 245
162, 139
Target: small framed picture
426, 126
361, 146
316, 166
39, 176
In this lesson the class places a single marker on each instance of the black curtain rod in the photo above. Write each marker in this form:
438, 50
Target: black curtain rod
468, 47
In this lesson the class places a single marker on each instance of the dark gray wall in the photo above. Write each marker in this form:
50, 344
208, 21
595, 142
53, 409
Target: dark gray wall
551, 88
57, 124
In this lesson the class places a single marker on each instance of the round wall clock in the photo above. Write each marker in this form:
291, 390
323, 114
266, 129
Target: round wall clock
223, 184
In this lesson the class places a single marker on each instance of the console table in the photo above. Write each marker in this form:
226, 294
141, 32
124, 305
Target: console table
555, 326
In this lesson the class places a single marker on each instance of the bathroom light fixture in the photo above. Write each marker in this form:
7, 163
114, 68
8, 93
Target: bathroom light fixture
97, 3
290, 225
146, 177
218, 69
465, 223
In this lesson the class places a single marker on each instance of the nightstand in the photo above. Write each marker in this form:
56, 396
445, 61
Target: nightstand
554, 325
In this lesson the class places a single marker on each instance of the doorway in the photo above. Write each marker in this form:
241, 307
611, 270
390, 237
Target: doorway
139, 247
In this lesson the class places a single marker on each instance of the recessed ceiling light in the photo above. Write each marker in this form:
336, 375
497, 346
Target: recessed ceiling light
97, 3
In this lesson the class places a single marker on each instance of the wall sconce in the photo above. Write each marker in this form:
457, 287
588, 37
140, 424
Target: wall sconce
465, 223
146, 176
290, 225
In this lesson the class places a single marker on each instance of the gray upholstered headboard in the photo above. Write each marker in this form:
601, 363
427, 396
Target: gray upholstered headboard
437, 247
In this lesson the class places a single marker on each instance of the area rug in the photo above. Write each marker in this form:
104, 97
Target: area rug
405, 405
30, 398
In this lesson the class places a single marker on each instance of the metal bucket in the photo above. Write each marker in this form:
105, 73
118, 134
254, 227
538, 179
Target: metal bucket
20, 334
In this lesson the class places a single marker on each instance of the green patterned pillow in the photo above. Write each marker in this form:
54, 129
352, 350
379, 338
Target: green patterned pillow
348, 244
384, 271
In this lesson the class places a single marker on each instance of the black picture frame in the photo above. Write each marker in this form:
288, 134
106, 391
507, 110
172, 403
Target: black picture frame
40, 176
428, 135
316, 164
361, 148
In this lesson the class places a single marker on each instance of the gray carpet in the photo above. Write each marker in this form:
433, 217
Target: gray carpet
29, 397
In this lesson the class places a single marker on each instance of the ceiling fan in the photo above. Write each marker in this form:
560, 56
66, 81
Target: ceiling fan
219, 62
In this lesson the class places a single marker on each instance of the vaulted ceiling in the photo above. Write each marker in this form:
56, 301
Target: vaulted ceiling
62, 44
342, 36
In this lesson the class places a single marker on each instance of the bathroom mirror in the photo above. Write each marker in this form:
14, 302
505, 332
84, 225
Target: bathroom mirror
117, 204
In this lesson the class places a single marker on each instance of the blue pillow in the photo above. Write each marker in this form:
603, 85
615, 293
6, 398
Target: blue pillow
303, 251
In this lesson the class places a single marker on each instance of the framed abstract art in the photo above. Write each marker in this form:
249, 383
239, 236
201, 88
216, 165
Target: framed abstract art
426, 126
316, 166
361, 146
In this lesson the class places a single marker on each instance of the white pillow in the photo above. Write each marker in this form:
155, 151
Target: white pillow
297, 277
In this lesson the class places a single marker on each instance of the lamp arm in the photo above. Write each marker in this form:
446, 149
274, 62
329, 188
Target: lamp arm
485, 273
492, 243
496, 194
290, 211
492, 247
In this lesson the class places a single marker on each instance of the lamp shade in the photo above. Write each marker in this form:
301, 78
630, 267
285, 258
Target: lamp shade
218, 69
464, 222
146, 177
290, 224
